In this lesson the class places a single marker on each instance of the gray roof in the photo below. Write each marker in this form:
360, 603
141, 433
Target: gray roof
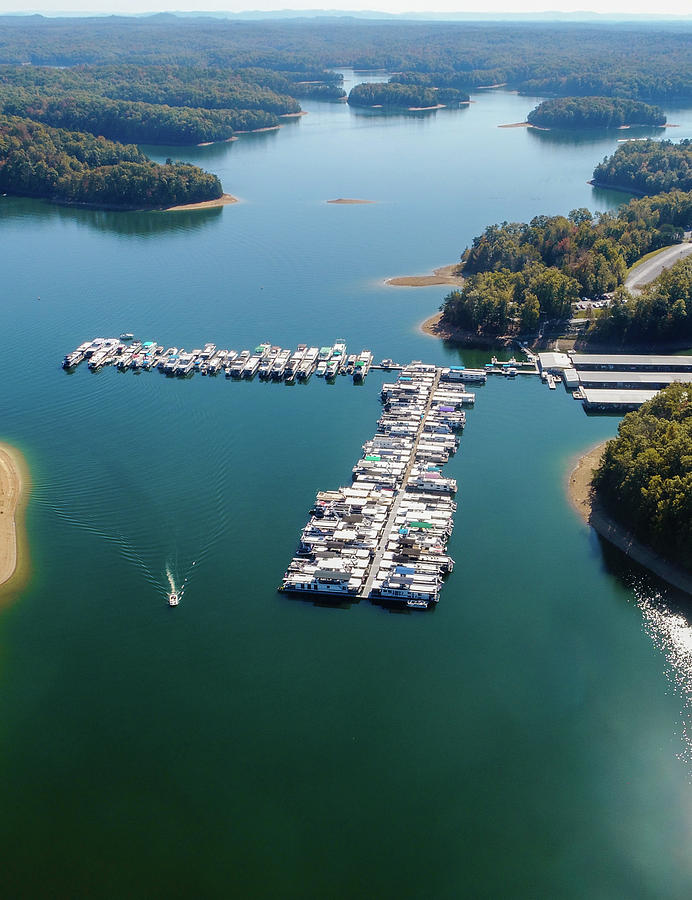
597, 397
637, 378
633, 361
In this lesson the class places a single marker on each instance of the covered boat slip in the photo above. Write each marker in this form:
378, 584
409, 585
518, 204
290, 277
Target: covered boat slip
622, 362
635, 380
597, 399
615, 382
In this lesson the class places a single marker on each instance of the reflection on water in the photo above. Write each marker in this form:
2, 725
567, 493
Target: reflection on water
569, 137
668, 622
394, 113
134, 224
667, 619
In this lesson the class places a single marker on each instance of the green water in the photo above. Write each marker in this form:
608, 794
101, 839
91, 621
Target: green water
525, 739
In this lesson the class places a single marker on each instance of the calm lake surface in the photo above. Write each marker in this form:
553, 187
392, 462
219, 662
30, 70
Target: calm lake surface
526, 739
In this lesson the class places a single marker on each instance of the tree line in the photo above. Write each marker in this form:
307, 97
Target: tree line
595, 112
145, 104
398, 96
661, 312
518, 274
131, 122
648, 167
563, 59
644, 479
73, 167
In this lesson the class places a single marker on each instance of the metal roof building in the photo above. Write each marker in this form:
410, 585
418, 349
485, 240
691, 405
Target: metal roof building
598, 399
554, 362
622, 362
635, 380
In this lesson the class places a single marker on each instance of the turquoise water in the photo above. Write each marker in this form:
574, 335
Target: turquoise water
526, 739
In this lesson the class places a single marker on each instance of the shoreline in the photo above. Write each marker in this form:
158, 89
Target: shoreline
433, 327
615, 187
223, 200
441, 275
14, 490
581, 499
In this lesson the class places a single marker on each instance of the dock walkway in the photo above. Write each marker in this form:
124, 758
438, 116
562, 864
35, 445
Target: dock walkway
389, 524
385, 535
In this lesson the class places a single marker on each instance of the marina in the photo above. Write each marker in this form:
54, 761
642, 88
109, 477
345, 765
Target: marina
385, 535
608, 382
613, 382
267, 361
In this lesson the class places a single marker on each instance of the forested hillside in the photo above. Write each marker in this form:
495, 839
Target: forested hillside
72, 167
595, 112
648, 167
147, 104
645, 477
518, 273
649, 61
661, 312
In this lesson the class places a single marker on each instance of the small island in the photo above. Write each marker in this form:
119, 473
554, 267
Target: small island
594, 112
636, 490
75, 168
348, 201
412, 97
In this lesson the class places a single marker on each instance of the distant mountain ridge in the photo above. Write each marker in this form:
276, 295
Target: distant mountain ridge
259, 15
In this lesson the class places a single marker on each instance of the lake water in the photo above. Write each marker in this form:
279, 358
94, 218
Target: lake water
525, 739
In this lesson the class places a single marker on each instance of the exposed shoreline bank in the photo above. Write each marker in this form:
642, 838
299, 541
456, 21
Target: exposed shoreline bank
14, 490
433, 326
223, 200
581, 498
441, 275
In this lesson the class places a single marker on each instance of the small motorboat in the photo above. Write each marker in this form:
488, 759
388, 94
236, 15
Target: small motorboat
173, 599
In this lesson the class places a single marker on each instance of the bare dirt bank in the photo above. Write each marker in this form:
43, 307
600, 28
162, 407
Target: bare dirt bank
582, 499
14, 484
223, 200
442, 275
434, 326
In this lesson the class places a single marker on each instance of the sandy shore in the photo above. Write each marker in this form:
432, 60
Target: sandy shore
516, 125
581, 497
223, 200
298, 114
443, 275
349, 201
13, 489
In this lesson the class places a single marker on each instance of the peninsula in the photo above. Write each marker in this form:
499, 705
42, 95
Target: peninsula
581, 496
634, 490
77, 168
442, 275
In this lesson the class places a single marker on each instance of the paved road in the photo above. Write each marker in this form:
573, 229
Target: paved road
653, 267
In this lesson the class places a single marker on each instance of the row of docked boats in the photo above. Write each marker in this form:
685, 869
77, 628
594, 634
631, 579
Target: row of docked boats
385, 535
266, 361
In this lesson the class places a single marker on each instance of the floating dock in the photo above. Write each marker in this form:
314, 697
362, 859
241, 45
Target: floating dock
385, 535
269, 362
